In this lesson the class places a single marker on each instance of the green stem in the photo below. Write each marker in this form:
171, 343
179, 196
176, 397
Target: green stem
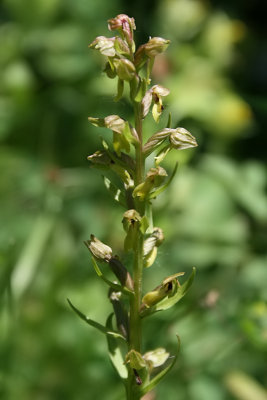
135, 340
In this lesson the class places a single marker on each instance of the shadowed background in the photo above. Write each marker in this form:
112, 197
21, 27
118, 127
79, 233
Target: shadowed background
214, 215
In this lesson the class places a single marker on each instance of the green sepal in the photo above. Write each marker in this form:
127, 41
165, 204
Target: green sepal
115, 352
115, 192
113, 285
135, 360
162, 154
156, 192
169, 301
95, 324
141, 90
144, 224
169, 123
147, 388
150, 64
134, 86
120, 88
120, 143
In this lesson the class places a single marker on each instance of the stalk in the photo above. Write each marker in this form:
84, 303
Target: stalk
137, 369
135, 328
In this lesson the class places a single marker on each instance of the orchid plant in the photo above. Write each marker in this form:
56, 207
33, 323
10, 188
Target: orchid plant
139, 371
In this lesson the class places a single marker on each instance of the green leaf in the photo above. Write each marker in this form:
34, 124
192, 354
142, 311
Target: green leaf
95, 324
156, 192
168, 302
116, 352
113, 285
160, 375
115, 192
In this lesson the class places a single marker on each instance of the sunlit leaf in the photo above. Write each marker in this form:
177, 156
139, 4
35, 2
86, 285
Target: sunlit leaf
115, 192
95, 324
115, 351
113, 285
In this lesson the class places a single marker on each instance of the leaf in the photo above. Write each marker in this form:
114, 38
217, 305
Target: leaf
168, 302
113, 285
115, 352
163, 187
115, 192
95, 324
160, 375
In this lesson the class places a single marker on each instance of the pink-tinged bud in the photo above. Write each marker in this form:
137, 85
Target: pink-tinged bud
104, 45
155, 46
123, 24
125, 69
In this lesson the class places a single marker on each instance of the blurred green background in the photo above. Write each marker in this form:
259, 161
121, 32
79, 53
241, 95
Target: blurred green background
214, 216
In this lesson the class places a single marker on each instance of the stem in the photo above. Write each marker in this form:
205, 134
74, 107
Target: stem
135, 340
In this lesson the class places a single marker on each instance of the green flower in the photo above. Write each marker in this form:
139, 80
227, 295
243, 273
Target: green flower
154, 178
154, 94
104, 45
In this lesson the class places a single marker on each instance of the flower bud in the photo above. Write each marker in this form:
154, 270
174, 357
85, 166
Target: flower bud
181, 139
131, 223
99, 250
104, 45
115, 123
125, 69
155, 46
124, 24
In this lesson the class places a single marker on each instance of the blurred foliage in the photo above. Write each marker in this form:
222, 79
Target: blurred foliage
214, 216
